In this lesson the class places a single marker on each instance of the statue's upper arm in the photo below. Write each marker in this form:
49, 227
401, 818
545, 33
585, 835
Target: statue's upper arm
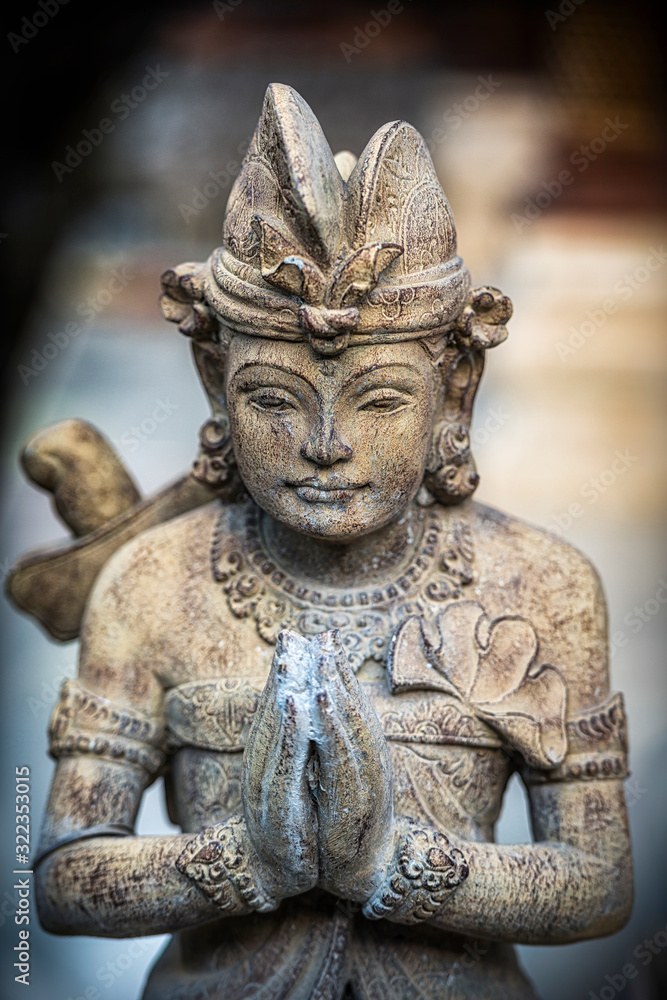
107, 731
581, 801
117, 651
574, 635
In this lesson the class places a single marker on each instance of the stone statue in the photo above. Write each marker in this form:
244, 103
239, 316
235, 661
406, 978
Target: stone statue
333, 656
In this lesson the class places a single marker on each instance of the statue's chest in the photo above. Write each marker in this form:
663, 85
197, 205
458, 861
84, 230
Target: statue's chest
461, 694
447, 764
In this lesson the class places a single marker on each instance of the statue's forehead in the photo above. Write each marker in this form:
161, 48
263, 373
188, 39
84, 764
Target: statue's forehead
246, 352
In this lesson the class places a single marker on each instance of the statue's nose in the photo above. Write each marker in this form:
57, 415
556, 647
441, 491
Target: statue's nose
326, 444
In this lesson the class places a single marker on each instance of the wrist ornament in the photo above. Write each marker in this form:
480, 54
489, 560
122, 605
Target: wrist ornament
424, 871
222, 862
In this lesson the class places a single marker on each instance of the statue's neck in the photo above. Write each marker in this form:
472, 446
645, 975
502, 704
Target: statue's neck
363, 561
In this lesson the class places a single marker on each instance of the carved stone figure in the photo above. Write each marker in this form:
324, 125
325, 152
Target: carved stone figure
333, 656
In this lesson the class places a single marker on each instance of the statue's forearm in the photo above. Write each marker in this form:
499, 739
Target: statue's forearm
573, 883
538, 894
117, 887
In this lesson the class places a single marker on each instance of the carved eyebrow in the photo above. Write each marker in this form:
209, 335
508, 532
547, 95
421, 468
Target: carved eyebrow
368, 370
281, 368
377, 368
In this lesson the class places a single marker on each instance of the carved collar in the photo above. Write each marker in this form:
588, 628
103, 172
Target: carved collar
256, 587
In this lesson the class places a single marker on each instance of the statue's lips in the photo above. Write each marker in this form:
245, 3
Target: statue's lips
316, 492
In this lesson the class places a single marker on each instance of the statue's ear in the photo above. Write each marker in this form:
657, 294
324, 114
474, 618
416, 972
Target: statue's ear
211, 359
461, 384
480, 326
215, 465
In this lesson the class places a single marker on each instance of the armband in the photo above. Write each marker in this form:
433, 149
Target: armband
86, 723
217, 860
597, 746
425, 870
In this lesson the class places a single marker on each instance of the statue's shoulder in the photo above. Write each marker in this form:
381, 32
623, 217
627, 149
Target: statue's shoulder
167, 553
526, 571
524, 548
156, 607
147, 581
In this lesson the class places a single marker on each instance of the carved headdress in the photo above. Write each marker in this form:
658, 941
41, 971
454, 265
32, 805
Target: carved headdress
311, 250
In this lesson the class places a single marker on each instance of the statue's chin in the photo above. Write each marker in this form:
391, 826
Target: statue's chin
339, 516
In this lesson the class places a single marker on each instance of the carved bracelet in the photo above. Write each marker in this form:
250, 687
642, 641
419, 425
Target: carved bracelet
218, 861
425, 870
84, 723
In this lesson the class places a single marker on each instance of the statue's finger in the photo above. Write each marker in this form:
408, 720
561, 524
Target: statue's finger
340, 792
329, 644
278, 804
354, 807
289, 675
354, 711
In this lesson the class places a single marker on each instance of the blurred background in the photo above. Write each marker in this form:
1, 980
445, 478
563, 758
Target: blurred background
124, 130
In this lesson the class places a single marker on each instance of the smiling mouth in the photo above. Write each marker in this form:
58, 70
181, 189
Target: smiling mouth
312, 491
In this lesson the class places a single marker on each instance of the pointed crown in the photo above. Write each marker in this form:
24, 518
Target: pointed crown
309, 252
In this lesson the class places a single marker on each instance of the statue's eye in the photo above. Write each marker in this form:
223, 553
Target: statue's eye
271, 401
384, 402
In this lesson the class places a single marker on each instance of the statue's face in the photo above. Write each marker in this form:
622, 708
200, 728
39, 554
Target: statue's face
334, 448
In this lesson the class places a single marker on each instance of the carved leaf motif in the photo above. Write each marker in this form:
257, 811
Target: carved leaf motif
533, 716
512, 647
492, 668
407, 666
457, 656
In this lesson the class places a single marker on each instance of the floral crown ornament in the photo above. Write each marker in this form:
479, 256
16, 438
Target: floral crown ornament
337, 259
329, 312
